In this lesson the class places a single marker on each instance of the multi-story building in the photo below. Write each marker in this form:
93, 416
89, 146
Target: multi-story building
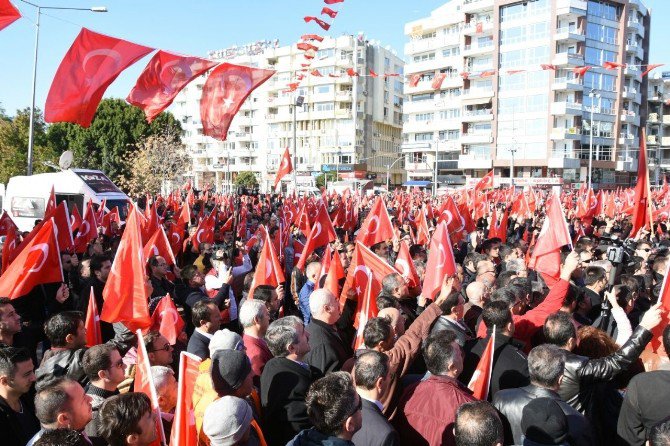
658, 126
511, 99
349, 125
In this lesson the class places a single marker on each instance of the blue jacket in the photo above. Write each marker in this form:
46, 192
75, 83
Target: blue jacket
303, 300
312, 437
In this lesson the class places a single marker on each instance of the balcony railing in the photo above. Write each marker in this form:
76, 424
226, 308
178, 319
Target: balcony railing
486, 111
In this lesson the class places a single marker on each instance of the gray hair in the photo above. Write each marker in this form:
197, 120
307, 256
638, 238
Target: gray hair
161, 374
390, 282
318, 299
250, 309
312, 268
546, 364
516, 265
282, 333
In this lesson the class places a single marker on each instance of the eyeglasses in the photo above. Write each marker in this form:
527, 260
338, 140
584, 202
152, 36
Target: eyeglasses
119, 364
165, 348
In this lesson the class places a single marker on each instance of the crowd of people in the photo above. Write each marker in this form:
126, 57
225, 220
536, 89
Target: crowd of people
578, 358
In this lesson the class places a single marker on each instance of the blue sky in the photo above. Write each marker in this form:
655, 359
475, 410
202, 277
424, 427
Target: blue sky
196, 26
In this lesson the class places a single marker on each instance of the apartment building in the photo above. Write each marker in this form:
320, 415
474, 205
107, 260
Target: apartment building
658, 126
510, 98
348, 125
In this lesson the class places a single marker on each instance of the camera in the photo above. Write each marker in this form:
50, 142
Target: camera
615, 254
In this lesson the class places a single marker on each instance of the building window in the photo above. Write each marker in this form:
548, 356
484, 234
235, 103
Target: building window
426, 136
424, 57
424, 117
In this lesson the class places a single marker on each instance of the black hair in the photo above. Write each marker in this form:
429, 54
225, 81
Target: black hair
439, 351
558, 329
97, 358
378, 329
496, 313
330, 401
120, 416
201, 312
62, 324
478, 424
369, 367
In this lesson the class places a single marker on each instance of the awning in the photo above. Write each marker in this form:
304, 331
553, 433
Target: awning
417, 183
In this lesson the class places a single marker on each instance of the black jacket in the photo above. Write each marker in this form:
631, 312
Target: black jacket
444, 323
328, 351
376, 430
195, 295
646, 403
581, 373
510, 366
284, 386
198, 344
13, 434
82, 305
510, 404
66, 362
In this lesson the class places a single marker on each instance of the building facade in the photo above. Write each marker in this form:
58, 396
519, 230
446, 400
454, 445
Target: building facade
347, 125
511, 100
658, 126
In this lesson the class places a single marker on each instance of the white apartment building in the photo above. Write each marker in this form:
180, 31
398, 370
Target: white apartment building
349, 125
658, 126
509, 113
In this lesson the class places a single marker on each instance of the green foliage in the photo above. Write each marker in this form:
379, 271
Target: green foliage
246, 179
115, 134
14, 145
327, 176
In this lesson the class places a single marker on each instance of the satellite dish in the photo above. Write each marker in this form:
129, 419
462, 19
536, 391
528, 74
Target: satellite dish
65, 160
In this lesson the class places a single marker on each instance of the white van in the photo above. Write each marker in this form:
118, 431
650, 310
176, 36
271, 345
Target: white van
26, 196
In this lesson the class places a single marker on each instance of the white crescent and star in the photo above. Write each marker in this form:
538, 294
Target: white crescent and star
44, 248
374, 219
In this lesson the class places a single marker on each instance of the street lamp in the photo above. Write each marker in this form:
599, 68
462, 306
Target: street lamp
512, 151
388, 173
339, 156
31, 130
437, 141
593, 95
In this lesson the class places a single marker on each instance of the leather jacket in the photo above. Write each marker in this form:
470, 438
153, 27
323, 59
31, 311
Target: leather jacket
581, 373
62, 363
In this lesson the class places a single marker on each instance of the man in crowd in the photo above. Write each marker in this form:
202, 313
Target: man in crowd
312, 275
10, 322
67, 334
255, 320
166, 391
286, 380
18, 422
207, 320
159, 350
158, 269
327, 349
128, 419
334, 409
478, 424
105, 370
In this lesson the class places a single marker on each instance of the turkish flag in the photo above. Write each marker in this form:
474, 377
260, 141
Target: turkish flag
61, 218
651, 67
546, 255
581, 71
329, 12
184, 218
148, 225
405, 266
88, 230
159, 245
91, 64
414, 80
485, 183
377, 225
335, 273
184, 432
205, 231
440, 261
225, 90
437, 81
481, 378
125, 291
466, 215
285, 167
451, 215
165, 75
75, 219
166, 320
498, 227
175, 235
332, 2
325, 26
422, 232
325, 265
298, 247
302, 221
304, 46
6, 223
322, 232
38, 263
8, 14
9, 251
642, 210
268, 270
51, 202
93, 332
144, 383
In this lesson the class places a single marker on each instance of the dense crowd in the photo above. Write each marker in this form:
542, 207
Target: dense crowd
290, 350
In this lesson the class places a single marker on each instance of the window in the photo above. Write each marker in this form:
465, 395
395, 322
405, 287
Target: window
601, 33
322, 89
450, 113
424, 57
324, 54
452, 51
427, 136
324, 106
422, 97
424, 117
449, 134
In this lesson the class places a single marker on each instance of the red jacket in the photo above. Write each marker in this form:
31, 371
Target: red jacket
427, 411
526, 325
258, 353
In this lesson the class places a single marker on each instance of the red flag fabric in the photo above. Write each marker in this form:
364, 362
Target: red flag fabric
486, 182
92, 63
414, 80
642, 210
545, 66
377, 226
325, 26
93, 332
88, 230
125, 291
322, 232
166, 320
144, 383
165, 75
159, 245
316, 37
303, 46
351, 72
268, 270
329, 12
451, 215
651, 67
51, 203
481, 378
546, 255
373, 73
440, 261
226, 88
498, 227
205, 231
5, 223
335, 273
38, 263
612, 65
184, 432
405, 266
8, 14
581, 71
9, 251
316, 73
422, 231
75, 219
332, 2
61, 218
437, 81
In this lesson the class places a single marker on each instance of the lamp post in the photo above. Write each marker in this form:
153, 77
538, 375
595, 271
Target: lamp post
512, 151
436, 142
31, 130
339, 157
388, 173
593, 95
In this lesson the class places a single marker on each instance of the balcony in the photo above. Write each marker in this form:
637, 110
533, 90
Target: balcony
637, 4
567, 84
665, 141
653, 140
629, 117
475, 162
636, 26
571, 7
344, 96
653, 118
562, 160
632, 71
423, 66
628, 140
566, 108
419, 167
476, 95
632, 94
477, 137
562, 133
472, 50
569, 34
568, 59
476, 5
434, 43
477, 115
626, 164
655, 96
477, 28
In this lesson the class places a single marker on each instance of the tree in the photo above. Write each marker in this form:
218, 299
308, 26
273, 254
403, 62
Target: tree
115, 133
158, 160
14, 145
327, 176
246, 179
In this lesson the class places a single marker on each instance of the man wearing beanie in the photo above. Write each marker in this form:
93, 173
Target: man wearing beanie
544, 423
228, 422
